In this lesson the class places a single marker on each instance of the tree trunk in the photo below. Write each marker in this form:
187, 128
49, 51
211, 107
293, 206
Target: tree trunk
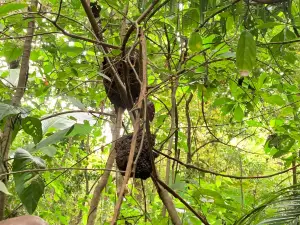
5, 141
172, 130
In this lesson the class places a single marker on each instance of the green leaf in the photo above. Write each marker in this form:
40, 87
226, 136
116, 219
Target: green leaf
275, 100
33, 127
227, 109
195, 42
59, 123
29, 185
9, 7
246, 52
221, 101
261, 80
6, 110
11, 51
282, 143
71, 51
238, 114
75, 4
81, 129
49, 150
54, 138
208, 192
191, 18
253, 123
3, 188
76, 102
34, 55
268, 25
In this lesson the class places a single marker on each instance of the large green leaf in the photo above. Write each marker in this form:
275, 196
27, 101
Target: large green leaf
195, 42
191, 18
11, 51
222, 101
81, 129
54, 138
274, 100
33, 127
76, 102
6, 110
3, 188
48, 150
246, 53
29, 185
238, 114
282, 143
9, 7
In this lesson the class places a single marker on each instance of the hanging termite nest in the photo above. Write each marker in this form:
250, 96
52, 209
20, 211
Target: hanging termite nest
143, 166
111, 84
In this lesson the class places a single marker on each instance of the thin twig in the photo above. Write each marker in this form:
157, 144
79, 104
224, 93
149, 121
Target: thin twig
188, 166
78, 111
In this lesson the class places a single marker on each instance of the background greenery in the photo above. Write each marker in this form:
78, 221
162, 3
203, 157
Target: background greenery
223, 76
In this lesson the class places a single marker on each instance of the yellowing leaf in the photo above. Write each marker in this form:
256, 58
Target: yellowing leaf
195, 42
246, 53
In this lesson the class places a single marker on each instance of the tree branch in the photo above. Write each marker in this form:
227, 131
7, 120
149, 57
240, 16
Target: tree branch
216, 13
189, 166
137, 22
78, 111
170, 190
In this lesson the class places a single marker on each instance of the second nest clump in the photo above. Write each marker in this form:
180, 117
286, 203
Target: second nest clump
110, 84
144, 167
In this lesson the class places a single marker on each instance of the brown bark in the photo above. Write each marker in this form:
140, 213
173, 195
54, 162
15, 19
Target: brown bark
294, 172
189, 144
142, 95
168, 203
104, 178
5, 141
172, 131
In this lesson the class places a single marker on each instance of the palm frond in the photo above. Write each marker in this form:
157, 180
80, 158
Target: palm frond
282, 207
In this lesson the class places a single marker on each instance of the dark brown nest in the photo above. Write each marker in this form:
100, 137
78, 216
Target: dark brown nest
143, 168
111, 86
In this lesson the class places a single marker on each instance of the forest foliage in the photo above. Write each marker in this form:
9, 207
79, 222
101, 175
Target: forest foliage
223, 78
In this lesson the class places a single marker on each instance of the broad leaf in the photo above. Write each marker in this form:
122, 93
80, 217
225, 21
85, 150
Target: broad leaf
274, 100
195, 42
238, 114
33, 127
29, 185
49, 150
283, 143
253, 123
9, 7
6, 110
222, 101
191, 18
54, 138
81, 129
246, 53
11, 51
76, 102
3, 188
